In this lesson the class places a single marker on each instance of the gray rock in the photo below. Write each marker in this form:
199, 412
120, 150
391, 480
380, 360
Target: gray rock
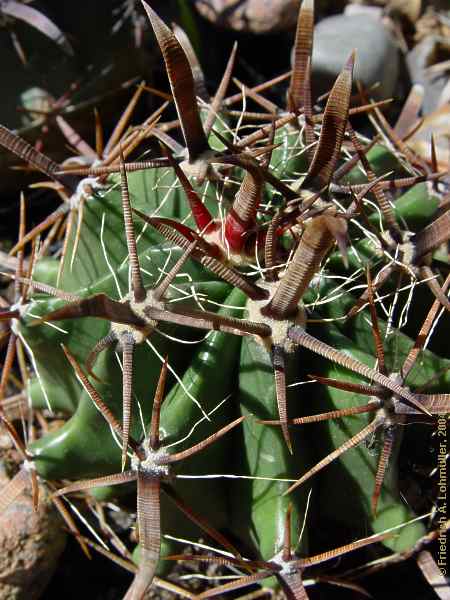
377, 56
255, 16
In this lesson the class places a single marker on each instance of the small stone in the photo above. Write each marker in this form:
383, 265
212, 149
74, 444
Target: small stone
377, 56
30, 546
251, 16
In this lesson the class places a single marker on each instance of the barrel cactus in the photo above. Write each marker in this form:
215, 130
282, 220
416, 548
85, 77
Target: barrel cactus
216, 278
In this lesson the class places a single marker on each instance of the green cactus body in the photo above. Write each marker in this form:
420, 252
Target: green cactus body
209, 378
85, 447
415, 208
57, 386
289, 160
260, 506
253, 509
382, 161
355, 470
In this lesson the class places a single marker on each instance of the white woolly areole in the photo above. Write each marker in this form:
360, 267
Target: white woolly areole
387, 410
155, 462
279, 329
406, 250
390, 415
139, 334
287, 567
91, 183
397, 378
14, 323
199, 168
29, 465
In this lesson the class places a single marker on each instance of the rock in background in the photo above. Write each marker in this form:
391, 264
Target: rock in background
31, 543
377, 55
252, 16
